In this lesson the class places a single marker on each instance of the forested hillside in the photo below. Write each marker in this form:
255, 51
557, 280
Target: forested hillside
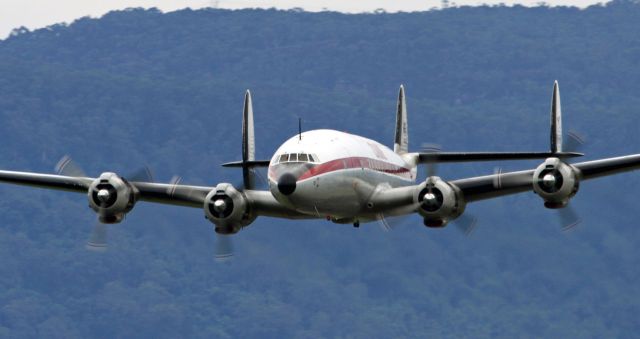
142, 87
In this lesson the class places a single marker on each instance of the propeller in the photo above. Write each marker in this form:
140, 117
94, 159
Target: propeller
501, 179
172, 190
98, 239
66, 166
143, 174
569, 219
466, 224
575, 141
224, 247
261, 180
432, 168
567, 216
389, 223
432, 162
224, 244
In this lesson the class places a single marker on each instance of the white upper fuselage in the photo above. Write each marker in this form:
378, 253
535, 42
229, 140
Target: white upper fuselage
332, 174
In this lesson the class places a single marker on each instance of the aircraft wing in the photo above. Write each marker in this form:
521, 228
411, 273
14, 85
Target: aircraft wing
262, 202
442, 157
185, 195
496, 185
50, 181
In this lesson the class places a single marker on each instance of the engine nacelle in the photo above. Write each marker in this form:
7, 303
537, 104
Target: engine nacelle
228, 209
439, 202
111, 197
556, 182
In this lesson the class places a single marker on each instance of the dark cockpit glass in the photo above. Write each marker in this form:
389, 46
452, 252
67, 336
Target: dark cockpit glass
296, 157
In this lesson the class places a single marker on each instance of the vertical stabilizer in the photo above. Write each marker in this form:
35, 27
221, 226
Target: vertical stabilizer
248, 142
401, 143
556, 120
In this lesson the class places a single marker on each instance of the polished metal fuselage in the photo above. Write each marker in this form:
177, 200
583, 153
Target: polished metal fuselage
348, 171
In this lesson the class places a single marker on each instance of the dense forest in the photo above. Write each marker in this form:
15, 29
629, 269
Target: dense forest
142, 87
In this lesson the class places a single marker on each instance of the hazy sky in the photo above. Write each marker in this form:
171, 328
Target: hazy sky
40, 13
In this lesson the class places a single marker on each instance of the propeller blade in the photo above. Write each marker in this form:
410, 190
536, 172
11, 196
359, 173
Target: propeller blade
66, 166
466, 224
497, 177
143, 174
384, 223
174, 182
574, 142
432, 166
389, 223
261, 180
224, 247
174, 191
569, 219
98, 240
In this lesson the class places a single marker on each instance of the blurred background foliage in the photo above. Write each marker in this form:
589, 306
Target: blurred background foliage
143, 87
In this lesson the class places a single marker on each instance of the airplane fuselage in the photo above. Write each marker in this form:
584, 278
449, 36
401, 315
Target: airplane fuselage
332, 174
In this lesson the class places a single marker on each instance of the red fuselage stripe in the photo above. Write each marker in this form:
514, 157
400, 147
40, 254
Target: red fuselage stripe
355, 162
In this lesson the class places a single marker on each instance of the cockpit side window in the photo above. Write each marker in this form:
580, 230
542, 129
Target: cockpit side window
284, 158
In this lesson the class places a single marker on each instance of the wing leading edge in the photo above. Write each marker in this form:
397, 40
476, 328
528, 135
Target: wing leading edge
50, 181
262, 202
172, 194
442, 157
497, 185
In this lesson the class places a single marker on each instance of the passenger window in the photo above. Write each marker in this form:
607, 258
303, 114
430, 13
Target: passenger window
293, 157
284, 158
303, 157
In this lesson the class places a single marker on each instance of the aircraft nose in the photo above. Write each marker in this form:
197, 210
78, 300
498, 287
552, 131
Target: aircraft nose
287, 184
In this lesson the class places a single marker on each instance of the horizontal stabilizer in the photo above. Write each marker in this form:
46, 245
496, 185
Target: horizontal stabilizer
248, 164
490, 156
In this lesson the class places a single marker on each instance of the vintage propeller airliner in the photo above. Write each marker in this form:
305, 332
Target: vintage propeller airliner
342, 177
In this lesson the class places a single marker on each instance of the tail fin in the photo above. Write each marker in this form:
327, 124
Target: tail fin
401, 143
248, 142
249, 161
556, 120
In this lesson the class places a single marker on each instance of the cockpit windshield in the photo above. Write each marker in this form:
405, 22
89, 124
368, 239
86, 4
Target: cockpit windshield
296, 157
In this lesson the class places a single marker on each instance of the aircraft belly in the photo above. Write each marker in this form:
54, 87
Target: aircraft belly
330, 194
342, 193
